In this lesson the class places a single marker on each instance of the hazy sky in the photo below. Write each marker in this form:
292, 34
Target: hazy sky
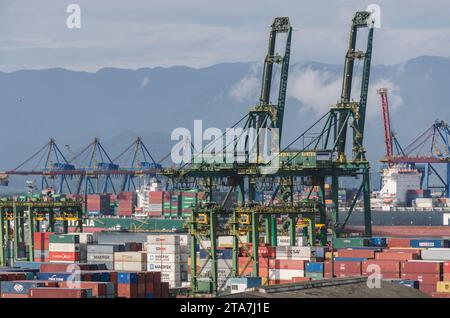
137, 33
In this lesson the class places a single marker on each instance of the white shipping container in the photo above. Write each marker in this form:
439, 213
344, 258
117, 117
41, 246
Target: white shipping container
139, 257
64, 247
163, 249
170, 276
299, 252
130, 266
163, 239
439, 254
164, 258
424, 202
163, 267
285, 274
285, 241
221, 273
85, 238
184, 240
174, 283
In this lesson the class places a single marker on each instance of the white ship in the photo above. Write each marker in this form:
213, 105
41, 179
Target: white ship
397, 180
143, 197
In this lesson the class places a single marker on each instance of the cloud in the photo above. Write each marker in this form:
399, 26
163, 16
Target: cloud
373, 100
315, 89
144, 83
247, 89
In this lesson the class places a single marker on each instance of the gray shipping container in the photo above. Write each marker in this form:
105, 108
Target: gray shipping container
100, 257
106, 249
109, 265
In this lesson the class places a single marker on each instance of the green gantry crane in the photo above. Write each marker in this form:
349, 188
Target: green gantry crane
323, 157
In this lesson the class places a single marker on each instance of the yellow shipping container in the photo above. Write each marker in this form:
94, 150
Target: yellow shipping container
328, 255
443, 287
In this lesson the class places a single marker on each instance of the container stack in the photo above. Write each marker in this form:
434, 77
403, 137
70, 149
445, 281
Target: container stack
41, 246
99, 289
98, 203
103, 254
164, 255
130, 261
224, 257
127, 203
155, 203
64, 248
427, 273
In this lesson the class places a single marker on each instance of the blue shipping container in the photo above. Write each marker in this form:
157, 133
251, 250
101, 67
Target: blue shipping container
315, 267
126, 278
59, 277
407, 283
19, 287
220, 254
378, 241
429, 243
27, 265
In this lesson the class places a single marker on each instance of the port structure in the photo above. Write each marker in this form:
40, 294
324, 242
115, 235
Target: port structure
245, 219
323, 157
430, 148
90, 171
20, 215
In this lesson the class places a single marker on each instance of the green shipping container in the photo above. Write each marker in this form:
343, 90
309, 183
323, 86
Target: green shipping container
204, 286
350, 242
314, 276
61, 238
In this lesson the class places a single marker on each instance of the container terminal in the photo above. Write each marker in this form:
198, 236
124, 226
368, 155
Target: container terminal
233, 229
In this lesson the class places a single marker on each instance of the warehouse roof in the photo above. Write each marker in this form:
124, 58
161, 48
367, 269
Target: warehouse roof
336, 288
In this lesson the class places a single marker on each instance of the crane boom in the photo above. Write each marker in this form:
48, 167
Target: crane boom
386, 123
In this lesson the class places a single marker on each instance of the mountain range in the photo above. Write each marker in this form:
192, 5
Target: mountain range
117, 105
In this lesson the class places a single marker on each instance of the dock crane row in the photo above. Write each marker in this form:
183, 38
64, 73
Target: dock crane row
324, 157
90, 171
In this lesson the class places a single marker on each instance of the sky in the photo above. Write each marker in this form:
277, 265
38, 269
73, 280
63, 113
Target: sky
198, 33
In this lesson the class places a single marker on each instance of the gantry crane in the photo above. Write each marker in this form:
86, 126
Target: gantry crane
323, 157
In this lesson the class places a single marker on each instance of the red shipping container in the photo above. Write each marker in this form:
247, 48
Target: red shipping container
427, 288
99, 289
41, 240
440, 295
344, 267
64, 256
5, 295
8, 276
141, 285
398, 242
385, 266
446, 267
157, 290
300, 279
400, 256
164, 290
422, 267
50, 292
446, 277
423, 278
149, 283
407, 250
127, 290
279, 281
61, 267
286, 264
356, 253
